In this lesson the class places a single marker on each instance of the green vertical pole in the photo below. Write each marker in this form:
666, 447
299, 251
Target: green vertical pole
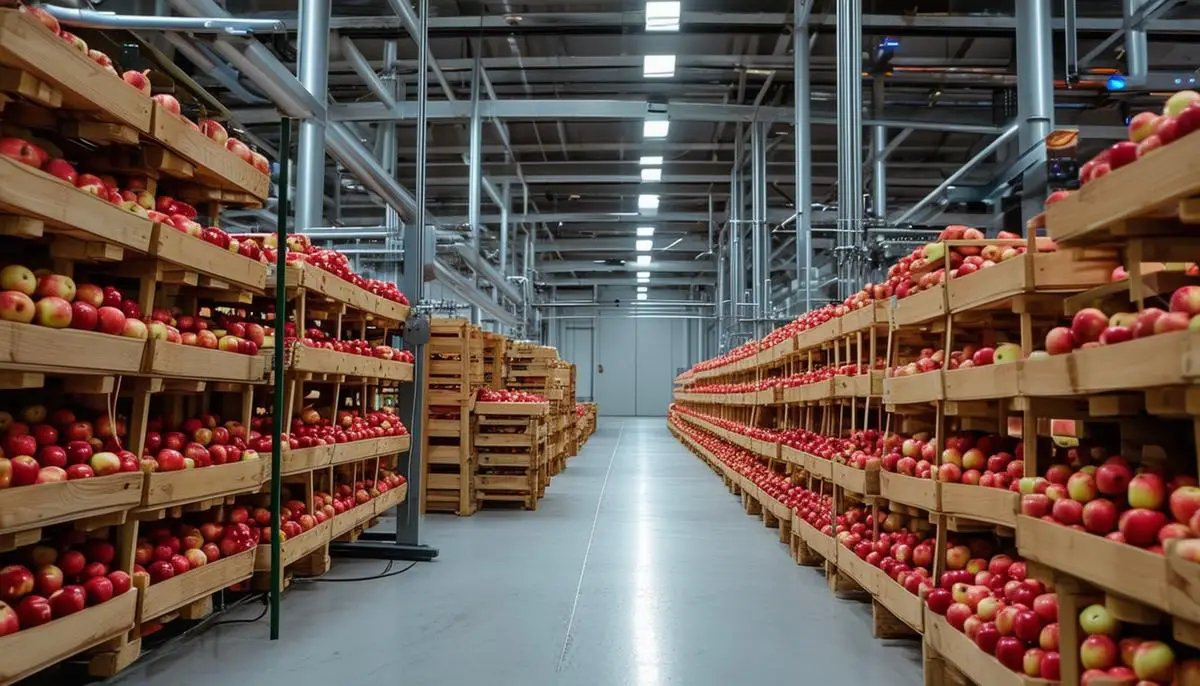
285, 156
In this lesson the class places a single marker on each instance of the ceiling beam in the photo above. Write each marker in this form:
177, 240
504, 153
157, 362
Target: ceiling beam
682, 266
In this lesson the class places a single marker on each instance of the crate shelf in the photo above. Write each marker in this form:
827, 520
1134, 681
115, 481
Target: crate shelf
31, 650
195, 584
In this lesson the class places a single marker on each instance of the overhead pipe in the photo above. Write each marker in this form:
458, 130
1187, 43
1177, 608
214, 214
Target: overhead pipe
849, 123
1035, 98
93, 19
409, 21
466, 290
366, 72
878, 155
959, 173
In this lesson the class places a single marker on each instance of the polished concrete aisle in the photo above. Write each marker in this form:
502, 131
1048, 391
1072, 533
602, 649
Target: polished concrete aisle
639, 568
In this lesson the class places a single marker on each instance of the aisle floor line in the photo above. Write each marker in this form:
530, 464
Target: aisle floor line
587, 551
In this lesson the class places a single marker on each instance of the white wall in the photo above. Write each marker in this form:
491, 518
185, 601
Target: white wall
640, 357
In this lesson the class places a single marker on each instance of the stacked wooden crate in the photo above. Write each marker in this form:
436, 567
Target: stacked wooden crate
538, 369
454, 368
512, 462
494, 347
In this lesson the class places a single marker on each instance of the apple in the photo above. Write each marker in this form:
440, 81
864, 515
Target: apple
1011, 653
111, 320
18, 278
1142, 126
1048, 639
214, 130
1154, 661
33, 610
15, 581
1007, 352
84, 316
1087, 325
135, 328
105, 463
49, 475
1067, 511
17, 307
22, 151
1100, 516
1140, 526
1146, 490
168, 103
68, 601
1184, 502
1027, 626
1098, 652
957, 615
1081, 487
99, 590
138, 79
1096, 619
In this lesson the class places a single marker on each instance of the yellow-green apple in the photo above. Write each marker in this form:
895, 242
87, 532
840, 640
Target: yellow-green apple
53, 312
1146, 490
18, 278
1096, 619
135, 328
1180, 101
1081, 486
105, 463
1007, 352
157, 331
1154, 661
1142, 126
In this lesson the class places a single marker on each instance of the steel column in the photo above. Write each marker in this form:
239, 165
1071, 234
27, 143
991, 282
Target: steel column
506, 196
758, 238
802, 134
387, 133
878, 146
475, 157
849, 124
737, 268
313, 48
1035, 96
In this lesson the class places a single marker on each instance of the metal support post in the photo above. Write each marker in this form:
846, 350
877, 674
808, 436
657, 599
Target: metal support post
314, 76
1035, 96
406, 544
722, 289
803, 139
878, 146
737, 267
849, 124
475, 157
390, 159
506, 196
758, 226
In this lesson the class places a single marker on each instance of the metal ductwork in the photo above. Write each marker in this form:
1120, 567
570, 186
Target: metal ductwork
1136, 56
91, 19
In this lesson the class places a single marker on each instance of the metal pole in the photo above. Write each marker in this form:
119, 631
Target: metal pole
1035, 96
849, 96
722, 288
314, 76
506, 195
758, 226
1070, 41
387, 134
878, 146
415, 236
737, 269
281, 227
1135, 44
803, 153
475, 157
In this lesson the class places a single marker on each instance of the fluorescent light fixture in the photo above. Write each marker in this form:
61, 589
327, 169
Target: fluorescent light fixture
643, 275
651, 161
658, 66
642, 289
652, 174
662, 16
645, 245
645, 231
645, 280
656, 128
647, 202
643, 296
643, 260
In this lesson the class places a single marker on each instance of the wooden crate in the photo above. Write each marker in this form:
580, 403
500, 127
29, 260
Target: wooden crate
195, 585
31, 650
169, 489
32, 507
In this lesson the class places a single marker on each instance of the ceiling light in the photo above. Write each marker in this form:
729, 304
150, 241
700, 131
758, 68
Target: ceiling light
645, 245
662, 16
656, 128
651, 161
644, 280
652, 175
645, 231
642, 289
643, 260
647, 202
658, 66
642, 296
643, 275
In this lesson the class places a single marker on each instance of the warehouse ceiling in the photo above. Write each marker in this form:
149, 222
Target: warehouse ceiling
575, 175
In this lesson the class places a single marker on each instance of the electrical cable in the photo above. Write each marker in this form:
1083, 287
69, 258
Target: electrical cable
386, 573
266, 606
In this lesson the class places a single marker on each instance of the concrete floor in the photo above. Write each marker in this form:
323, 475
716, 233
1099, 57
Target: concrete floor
638, 569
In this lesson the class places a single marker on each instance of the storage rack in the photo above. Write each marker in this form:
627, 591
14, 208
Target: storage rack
70, 105
1141, 390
